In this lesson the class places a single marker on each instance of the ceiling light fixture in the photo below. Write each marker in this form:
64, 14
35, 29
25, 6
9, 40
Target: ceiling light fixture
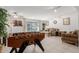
55, 10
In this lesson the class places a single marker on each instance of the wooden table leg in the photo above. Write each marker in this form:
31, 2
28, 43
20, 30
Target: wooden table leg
13, 50
23, 46
39, 44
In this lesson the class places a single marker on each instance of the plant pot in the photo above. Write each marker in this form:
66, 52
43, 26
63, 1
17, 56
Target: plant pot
1, 47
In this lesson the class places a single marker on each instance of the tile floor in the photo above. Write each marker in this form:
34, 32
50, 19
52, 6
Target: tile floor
51, 45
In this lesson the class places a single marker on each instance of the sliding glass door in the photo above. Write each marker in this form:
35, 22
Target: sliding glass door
32, 27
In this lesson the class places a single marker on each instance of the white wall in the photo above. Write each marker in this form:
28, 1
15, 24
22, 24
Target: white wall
62, 13
74, 21
14, 29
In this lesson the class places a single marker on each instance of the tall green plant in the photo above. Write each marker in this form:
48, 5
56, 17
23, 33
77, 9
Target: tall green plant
3, 22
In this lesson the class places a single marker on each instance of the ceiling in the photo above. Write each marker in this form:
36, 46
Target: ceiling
29, 9
40, 11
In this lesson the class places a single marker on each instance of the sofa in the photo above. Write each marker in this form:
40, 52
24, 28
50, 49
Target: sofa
71, 37
52, 31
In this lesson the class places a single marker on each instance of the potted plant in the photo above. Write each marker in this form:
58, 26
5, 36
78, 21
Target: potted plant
3, 24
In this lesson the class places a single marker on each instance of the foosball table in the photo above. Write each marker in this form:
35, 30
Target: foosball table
24, 39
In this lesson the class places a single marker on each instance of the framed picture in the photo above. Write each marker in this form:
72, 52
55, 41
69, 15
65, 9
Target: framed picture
66, 21
17, 23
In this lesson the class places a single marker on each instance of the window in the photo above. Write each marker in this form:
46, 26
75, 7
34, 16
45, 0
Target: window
32, 26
